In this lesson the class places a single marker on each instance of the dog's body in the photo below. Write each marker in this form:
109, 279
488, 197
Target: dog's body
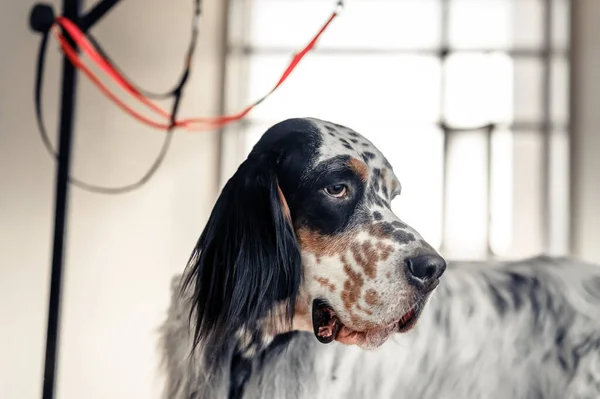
305, 284
522, 330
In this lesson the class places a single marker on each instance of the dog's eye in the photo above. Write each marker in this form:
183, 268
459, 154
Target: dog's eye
336, 191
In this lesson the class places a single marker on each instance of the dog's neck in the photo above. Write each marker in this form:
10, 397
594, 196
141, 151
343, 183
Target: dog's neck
278, 322
252, 343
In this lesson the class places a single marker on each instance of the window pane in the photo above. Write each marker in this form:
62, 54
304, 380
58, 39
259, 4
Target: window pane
395, 100
347, 87
559, 96
526, 23
479, 89
406, 146
501, 192
559, 193
372, 24
560, 24
527, 236
466, 215
527, 103
499, 24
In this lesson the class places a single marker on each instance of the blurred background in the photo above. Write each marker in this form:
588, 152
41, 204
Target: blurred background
487, 109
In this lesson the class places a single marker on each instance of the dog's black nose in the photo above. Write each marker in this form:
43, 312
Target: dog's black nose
425, 270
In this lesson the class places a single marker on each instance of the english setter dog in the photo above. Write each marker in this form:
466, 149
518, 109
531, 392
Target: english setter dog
305, 284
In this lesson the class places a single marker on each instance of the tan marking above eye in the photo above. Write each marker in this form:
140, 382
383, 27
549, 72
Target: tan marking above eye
360, 168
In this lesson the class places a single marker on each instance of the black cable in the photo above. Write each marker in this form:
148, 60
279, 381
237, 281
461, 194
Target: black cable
145, 93
176, 92
190, 51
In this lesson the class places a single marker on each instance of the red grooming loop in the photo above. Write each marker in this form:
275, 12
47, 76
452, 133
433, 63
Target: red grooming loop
207, 123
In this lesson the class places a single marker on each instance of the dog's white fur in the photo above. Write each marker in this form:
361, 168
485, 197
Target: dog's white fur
518, 330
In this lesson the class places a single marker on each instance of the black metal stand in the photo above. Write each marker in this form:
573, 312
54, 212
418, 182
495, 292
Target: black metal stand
41, 19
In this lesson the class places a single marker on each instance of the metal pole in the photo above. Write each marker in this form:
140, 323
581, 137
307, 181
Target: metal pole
71, 9
41, 20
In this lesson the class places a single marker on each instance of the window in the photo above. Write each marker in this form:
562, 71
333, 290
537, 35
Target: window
468, 98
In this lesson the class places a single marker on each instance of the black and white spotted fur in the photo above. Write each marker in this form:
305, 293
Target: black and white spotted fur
240, 324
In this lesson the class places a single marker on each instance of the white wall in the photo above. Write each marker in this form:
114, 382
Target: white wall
585, 116
121, 250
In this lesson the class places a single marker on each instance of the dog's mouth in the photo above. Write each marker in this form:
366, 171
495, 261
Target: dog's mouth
328, 327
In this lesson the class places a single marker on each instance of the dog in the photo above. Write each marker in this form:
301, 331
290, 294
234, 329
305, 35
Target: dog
305, 284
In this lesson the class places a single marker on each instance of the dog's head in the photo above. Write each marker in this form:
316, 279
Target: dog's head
303, 237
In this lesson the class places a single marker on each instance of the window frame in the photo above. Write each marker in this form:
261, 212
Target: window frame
555, 137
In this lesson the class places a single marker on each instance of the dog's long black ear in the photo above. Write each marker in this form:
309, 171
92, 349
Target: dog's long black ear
247, 260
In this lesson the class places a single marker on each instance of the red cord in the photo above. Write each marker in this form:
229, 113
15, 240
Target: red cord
86, 46
191, 123
71, 54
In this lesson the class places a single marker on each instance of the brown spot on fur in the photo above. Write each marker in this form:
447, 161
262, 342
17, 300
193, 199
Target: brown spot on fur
363, 259
389, 275
370, 259
376, 230
394, 185
384, 250
325, 283
372, 298
284, 206
368, 255
360, 168
352, 286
